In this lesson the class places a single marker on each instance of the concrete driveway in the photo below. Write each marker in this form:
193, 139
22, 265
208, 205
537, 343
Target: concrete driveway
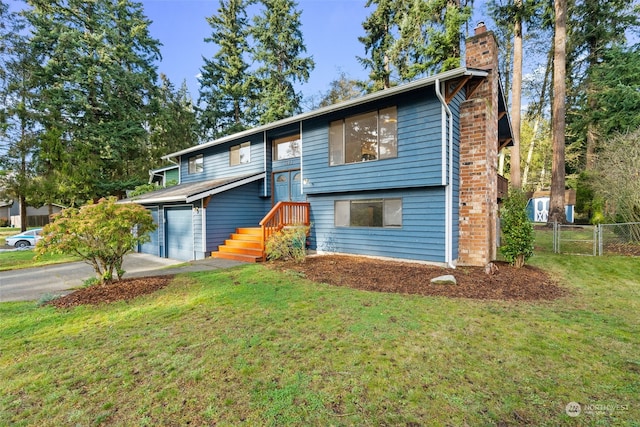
32, 283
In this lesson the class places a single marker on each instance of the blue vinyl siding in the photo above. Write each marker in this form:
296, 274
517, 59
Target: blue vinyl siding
421, 236
238, 207
152, 246
216, 161
455, 109
419, 161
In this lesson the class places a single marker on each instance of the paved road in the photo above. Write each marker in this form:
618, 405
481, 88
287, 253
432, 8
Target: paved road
32, 283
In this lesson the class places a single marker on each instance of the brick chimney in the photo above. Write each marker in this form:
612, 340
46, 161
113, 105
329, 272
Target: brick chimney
479, 155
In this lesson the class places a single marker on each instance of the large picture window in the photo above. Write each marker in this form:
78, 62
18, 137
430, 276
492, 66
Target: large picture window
196, 164
240, 154
286, 148
368, 213
364, 137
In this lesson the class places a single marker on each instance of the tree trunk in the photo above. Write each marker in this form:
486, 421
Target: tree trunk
516, 95
22, 201
527, 165
556, 204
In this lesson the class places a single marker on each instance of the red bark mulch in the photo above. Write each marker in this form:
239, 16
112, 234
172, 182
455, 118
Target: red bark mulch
505, 283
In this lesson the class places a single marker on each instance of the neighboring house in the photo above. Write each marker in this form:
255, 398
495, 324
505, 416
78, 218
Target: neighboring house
166, 176
36, 217
407, 173
5, 212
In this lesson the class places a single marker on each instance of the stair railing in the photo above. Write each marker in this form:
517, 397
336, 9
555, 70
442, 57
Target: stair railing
282, 215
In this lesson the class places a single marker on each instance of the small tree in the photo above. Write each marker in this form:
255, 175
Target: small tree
517, 230
99, 233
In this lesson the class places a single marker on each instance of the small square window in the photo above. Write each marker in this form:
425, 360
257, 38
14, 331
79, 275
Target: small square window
196, 164
286, 148
240, 154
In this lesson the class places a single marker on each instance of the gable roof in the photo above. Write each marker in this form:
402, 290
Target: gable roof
192, 191
382, 94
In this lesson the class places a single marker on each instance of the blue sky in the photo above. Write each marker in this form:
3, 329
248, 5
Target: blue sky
330, 29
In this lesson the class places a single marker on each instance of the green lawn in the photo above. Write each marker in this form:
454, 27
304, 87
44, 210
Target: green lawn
26, 258
256, 347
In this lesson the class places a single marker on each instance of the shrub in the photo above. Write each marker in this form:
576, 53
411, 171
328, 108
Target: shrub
288, 244
4, 222
517, 230
101, 234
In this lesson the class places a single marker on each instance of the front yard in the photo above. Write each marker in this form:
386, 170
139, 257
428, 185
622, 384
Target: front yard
259, 346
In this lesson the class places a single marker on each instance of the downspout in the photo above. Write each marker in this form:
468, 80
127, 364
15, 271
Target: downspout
448, 183
264, 165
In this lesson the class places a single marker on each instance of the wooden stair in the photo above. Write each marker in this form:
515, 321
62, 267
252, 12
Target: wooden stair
243, 245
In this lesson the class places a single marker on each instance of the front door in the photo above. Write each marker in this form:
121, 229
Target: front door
287, 186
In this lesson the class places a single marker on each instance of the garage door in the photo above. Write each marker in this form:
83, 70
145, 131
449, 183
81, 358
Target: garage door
153, 246
179, 233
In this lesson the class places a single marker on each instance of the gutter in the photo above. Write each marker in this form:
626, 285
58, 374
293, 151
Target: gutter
447, 183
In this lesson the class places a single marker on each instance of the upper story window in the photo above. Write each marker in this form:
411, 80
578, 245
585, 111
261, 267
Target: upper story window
364, 137
287, 147
196, 164
240, 154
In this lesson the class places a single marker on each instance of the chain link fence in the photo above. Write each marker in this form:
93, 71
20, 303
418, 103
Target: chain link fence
619, 239
575, 239
602, 239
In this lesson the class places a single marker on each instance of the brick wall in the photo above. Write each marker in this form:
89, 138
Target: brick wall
479, 155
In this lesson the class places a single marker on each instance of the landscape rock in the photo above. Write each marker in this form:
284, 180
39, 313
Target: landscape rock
444, 280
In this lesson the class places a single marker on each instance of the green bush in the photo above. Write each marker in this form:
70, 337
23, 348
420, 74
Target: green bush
101, 234
517, 230
288, 244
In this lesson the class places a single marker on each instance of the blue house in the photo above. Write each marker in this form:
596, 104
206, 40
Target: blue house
406, 173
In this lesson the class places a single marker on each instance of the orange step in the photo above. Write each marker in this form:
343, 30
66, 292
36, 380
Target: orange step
243, 245
236, 257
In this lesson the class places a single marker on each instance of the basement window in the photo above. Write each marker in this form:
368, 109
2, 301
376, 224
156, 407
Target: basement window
368, 213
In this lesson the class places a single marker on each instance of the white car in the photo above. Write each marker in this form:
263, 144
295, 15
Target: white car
25, 239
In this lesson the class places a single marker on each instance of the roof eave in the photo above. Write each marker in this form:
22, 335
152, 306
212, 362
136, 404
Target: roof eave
416, 84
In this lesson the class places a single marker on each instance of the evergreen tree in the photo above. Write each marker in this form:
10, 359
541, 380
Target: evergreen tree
411, 39
430, 37
226, 86
378, 41
515, 14
278, 51
18, 134
96, 79
556, 199
594, 27
174, 125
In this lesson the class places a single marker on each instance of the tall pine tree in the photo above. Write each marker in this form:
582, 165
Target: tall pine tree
174, 124
96, 79
227, 86
279, 52
378, 41
409, 39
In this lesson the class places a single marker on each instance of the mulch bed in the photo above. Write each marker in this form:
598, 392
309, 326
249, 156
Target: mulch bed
124, 289
505, 283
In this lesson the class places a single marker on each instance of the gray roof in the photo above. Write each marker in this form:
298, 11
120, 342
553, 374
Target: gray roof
189, 192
